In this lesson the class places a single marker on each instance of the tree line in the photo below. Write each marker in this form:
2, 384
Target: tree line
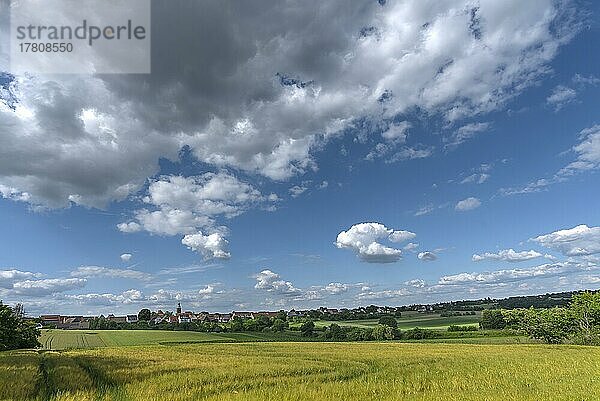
578, 323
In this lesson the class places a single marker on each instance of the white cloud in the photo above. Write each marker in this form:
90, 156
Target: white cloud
423, 210
588, 158
207, 290
9, 277
210, 246
508, 275
427, 256
297, 190
272, 282
323, 185
561, 96
126, 257
93, 139
507, 255
107, 299
188, 205
577, 241
467, 204
35, 288
100, 271
417, 283
411, 246
336, 288
477, 178
397, 131
465, 133
131, 227
362, 239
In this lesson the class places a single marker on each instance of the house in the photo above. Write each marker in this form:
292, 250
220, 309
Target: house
50, 320
73, 323
297, 313
270, 315
219, 317
117, 319
131, 318
182, 318
242, 315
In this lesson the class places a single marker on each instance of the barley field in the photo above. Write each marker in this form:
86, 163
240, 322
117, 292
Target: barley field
303, 371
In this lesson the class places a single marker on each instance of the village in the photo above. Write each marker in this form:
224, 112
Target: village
70, 322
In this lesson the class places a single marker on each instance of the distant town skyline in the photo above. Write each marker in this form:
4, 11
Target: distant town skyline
335, 154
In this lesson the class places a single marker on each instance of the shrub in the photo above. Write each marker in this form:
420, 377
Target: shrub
462, 328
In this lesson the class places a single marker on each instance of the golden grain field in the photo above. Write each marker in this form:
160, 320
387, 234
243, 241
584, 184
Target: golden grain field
304, 371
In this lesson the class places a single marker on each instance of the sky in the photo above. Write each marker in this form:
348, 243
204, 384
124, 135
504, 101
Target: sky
296, 155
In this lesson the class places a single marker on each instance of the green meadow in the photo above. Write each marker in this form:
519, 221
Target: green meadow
303, 371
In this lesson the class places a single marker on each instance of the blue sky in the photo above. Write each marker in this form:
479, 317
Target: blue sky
477, 177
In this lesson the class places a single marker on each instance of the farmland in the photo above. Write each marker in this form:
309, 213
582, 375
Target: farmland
67, 339
433, 321
303, 371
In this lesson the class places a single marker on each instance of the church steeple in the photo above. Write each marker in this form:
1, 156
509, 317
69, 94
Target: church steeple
179, 308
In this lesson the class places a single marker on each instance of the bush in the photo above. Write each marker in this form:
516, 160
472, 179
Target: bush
462, 328
418, 334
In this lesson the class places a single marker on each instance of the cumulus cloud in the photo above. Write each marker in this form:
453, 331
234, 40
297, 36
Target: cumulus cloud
93, 139
467, 204
336, 288
207, 290
9, 277
210, 246
507, 255
36, 288
126, 257
417, 283
188, 205
362, 239
107, 299
427, 256
577, 241
270, 281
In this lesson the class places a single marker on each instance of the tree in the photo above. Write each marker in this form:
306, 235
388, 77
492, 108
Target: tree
144, 315
586, 311
308, 329
237, 324
382, 332
335, 332
492, 319
388, 321
279, 325
550, 325
15, 332
251, 325
281, 315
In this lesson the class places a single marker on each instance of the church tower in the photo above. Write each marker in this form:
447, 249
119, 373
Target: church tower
179, 308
